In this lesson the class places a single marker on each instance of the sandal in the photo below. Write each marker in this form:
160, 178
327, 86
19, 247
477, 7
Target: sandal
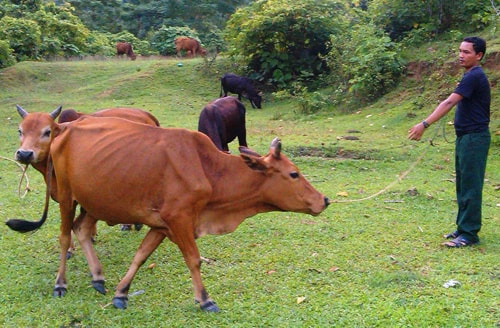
451, 235
459, 242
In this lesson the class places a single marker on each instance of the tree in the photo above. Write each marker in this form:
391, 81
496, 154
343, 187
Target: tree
284, 40
23, 36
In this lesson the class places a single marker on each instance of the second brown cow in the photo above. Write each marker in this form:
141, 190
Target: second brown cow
190, 45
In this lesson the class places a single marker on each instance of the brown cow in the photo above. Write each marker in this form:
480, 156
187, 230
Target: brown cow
125, 48
222, 121
173, 180
189, 45
36, 134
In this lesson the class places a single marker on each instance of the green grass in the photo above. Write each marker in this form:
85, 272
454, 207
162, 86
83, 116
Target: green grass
370, 263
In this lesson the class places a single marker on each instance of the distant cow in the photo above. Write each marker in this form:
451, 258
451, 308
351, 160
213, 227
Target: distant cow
173, 180
242, 86
222, 121
125, 48
191, 46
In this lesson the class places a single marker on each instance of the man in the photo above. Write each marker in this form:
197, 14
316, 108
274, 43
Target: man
472, 117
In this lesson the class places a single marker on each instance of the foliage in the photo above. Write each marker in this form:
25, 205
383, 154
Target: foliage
163, 39
283, 40
24, 36
142, 18
429, 18
6, 55
366, 63
60, 26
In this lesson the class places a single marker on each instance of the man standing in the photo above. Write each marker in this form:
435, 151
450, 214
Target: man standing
472, 117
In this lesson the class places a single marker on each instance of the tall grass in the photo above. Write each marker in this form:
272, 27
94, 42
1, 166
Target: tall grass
371, 263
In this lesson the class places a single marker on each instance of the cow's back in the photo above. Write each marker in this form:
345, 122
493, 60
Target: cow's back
119, 162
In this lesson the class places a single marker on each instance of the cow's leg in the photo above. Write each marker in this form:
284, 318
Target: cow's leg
187, 245
153, 238
67, 215
84, 227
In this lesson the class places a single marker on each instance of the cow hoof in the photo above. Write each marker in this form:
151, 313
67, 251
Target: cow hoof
137, 227
210, 306
99, 286
126, 227
69, 255
59, 291
120, 302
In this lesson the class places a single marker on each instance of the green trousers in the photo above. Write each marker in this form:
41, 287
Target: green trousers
471, 153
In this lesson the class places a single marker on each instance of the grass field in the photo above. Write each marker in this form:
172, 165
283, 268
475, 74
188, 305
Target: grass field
365, 262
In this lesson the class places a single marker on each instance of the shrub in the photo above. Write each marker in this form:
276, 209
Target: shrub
163, 39
6, 55
23, 36
283, 40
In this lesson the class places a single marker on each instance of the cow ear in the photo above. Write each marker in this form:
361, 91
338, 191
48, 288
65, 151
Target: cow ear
58, 128
255, 163
248, 151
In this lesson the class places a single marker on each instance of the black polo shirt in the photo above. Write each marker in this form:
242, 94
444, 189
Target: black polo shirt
473, 111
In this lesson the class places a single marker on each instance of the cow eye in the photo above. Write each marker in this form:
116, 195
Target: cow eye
294, 175
20, 132
46, 134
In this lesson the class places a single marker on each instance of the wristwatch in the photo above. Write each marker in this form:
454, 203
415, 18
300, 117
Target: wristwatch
426, 125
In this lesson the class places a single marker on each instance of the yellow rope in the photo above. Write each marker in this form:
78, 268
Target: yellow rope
23, 169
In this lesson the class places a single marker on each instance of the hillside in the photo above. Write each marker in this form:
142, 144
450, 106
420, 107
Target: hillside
371, 259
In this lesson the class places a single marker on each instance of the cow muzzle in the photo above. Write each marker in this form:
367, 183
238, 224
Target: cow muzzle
25, 156
327, 202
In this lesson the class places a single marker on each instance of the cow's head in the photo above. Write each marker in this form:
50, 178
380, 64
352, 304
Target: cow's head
285, 189
36, 131
256, 100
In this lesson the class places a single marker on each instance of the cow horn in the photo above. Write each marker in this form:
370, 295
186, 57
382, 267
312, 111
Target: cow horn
21, 111
56, 112
276, 147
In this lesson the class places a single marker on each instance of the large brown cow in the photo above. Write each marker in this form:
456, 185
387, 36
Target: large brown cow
125, 48
189, 45
36, 135
173, 180
222, 121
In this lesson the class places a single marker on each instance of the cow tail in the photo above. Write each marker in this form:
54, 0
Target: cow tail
27, 226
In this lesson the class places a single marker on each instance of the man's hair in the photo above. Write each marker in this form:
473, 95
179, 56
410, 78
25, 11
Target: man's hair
478, 44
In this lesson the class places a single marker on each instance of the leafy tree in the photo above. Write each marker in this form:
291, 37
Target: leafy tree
365, 61
398, 18
62, 32
283, 40
23, 36
6, 55
163, 39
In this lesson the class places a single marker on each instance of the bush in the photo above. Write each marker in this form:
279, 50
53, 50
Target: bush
163, 39
283, 40
23, 36
6, 55
365, 62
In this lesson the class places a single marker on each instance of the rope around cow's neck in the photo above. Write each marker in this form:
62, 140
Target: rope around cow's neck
24, 175
402, 175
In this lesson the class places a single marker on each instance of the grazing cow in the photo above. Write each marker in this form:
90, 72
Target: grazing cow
36, 136
125, 48
191, 46
222, 121
173, 180
242, 86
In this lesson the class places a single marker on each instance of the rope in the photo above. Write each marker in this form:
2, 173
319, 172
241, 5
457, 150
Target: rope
24, 175
402, 175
